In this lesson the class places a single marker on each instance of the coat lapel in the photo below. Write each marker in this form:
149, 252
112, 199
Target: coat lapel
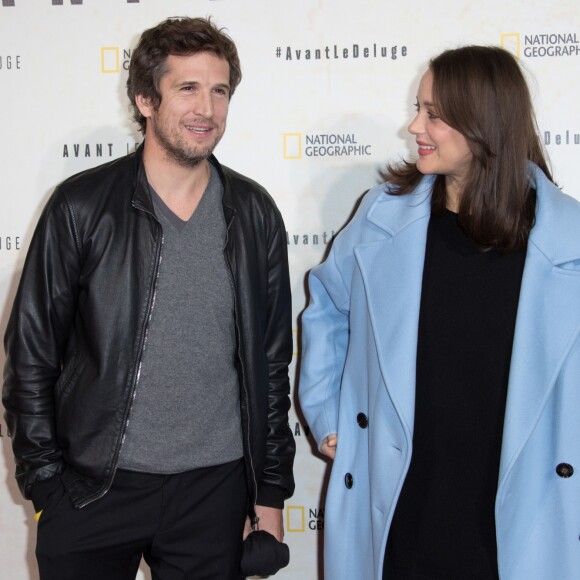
548, 320
392, 272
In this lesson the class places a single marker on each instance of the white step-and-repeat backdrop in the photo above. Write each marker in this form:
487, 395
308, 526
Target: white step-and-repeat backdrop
327, 93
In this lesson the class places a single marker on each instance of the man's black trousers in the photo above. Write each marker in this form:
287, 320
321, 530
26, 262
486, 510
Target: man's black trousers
187, 526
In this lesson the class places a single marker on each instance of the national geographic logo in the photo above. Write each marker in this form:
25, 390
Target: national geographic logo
297, 145
12, 3
541, 45
299, 518
114, 58
334, 52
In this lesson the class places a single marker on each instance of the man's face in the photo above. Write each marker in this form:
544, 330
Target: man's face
191, 117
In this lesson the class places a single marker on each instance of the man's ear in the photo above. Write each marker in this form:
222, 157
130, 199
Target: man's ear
144, 105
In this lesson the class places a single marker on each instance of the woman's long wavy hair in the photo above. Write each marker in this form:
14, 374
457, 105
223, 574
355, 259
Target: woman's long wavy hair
481, 92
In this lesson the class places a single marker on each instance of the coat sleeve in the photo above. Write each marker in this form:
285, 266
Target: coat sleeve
277, 481
34, 342
325, 336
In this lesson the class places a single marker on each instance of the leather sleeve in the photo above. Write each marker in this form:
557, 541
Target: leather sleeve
277, 481
34, 343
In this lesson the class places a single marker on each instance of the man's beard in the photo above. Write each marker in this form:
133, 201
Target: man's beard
176, 149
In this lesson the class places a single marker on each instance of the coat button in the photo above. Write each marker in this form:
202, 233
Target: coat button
348, 481
362, 420
565, 470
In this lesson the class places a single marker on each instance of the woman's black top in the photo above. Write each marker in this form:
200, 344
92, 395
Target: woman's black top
444, 525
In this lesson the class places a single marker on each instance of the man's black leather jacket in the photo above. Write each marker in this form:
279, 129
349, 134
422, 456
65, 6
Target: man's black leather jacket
79, 324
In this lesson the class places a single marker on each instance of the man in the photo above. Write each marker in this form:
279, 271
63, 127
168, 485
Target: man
146, 382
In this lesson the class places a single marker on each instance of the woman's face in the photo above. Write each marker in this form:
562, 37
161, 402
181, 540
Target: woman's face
442, 150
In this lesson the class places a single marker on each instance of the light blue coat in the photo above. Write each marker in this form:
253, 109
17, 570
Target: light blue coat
359, 355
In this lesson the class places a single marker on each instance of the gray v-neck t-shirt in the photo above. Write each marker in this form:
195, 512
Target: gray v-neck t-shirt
186, 409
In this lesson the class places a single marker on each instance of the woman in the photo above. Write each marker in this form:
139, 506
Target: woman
441, 363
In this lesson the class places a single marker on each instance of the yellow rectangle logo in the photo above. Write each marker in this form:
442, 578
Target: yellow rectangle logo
295, 520
292, 146
110, 59
510, 41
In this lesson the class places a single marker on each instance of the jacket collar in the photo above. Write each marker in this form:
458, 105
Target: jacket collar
555, 232
142, 200
228, 199
393, 213
555, 213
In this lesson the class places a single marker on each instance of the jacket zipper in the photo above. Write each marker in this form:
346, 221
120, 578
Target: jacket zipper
254, 517
144, 333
